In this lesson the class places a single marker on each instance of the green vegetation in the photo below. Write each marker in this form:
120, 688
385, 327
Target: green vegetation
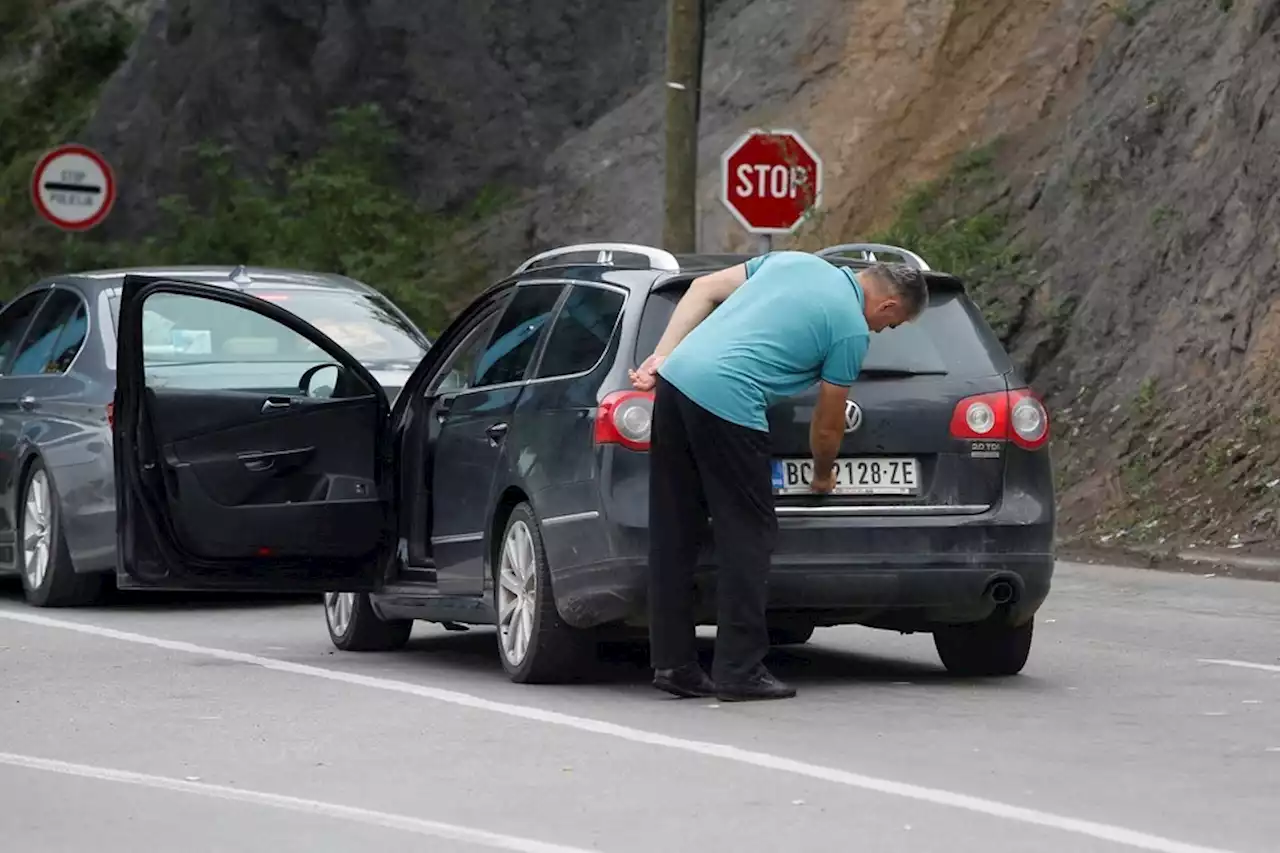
1144, 402
337, 211
53, 60
1161, 215
79, 47
1127, 12
969, 245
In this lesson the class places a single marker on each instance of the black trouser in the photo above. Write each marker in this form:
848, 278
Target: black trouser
700, 465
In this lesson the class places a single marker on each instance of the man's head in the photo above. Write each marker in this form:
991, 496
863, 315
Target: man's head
893, 294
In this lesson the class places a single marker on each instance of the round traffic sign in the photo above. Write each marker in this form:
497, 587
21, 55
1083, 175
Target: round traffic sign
771, 180
73, 187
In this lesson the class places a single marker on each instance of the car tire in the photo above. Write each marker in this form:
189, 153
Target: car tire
790, 635
984, 649
49, 578
535, 645
355, 627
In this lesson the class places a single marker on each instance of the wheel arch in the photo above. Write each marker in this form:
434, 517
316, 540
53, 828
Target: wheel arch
510, 498
28, 457
17, 486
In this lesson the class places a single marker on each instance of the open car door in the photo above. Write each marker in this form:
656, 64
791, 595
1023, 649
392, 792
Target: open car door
251, 451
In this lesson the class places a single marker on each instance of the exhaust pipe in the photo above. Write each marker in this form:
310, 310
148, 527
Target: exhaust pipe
1001, 592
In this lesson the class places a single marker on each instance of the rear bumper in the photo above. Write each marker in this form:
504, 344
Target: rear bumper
910, 573
906, 595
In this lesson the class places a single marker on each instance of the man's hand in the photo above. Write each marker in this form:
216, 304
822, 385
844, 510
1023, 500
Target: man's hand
826, 432
646, 377
704, 294
824, 484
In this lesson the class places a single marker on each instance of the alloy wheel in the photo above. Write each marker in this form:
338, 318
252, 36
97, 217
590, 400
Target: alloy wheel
36, 536
517, 592
338, 609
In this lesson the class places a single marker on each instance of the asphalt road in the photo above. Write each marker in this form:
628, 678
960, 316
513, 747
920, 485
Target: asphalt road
194, 724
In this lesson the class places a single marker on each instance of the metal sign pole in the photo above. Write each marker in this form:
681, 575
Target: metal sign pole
766, 244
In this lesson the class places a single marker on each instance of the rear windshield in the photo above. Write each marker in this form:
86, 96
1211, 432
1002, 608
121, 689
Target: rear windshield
950, 338
362, 324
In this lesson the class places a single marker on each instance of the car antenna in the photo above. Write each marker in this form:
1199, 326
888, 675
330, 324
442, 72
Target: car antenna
240, 275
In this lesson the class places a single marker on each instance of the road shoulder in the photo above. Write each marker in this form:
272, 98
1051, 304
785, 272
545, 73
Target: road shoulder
1232, 563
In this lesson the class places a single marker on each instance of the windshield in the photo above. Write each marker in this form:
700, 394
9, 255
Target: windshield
365, 325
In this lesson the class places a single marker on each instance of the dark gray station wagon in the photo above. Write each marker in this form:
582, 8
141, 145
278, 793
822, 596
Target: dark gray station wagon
507, 484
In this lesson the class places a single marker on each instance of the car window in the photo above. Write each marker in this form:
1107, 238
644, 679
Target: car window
14, 320
35, 356
365, 325
74, 331
506, 358
459, 370
71, 340
582, 330
950, 337
193, 342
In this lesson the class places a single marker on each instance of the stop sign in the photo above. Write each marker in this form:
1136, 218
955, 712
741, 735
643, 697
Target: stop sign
770, 180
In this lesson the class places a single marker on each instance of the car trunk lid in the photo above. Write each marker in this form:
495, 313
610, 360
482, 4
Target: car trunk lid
912, 381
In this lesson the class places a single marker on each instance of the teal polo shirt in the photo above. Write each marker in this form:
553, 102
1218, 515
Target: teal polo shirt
795, 320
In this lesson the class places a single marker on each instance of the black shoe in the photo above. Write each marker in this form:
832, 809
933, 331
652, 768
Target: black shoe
687, 682
760, 683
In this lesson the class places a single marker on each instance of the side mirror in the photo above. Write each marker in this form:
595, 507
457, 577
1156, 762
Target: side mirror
320, 381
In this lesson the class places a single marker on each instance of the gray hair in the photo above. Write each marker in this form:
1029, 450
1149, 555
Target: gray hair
906, 283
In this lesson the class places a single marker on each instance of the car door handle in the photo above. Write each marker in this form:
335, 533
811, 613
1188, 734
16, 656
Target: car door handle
265, 460
496, 433
27, 403
276, 403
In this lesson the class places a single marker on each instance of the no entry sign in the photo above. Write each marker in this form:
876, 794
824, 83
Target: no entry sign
771, 180
73, 187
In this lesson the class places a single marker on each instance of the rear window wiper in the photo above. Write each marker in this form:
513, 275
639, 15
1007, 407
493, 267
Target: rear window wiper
898, 372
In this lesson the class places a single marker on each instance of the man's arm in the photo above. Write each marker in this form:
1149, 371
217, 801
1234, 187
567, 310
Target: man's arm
826, 431
702, 297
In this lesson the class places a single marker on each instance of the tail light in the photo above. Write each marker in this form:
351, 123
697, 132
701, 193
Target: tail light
625, 418
1015, 416
111, 414
1028, 420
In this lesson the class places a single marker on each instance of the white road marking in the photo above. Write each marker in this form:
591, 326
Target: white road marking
993, 808
418, 826
1241, 664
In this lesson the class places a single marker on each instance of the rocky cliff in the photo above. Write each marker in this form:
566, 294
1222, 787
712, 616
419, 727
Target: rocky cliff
1102, 171
480, 92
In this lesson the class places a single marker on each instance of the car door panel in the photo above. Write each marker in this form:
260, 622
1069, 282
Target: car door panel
304, 454
239, 488
468, 452
245, 483
470, 445
555, 420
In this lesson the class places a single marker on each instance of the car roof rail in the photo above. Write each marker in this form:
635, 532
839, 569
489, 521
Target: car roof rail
868, 252
605, 254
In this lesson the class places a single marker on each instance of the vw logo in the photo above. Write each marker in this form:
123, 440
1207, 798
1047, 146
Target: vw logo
852, 416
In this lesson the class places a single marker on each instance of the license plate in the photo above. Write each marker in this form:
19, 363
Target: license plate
870, 476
